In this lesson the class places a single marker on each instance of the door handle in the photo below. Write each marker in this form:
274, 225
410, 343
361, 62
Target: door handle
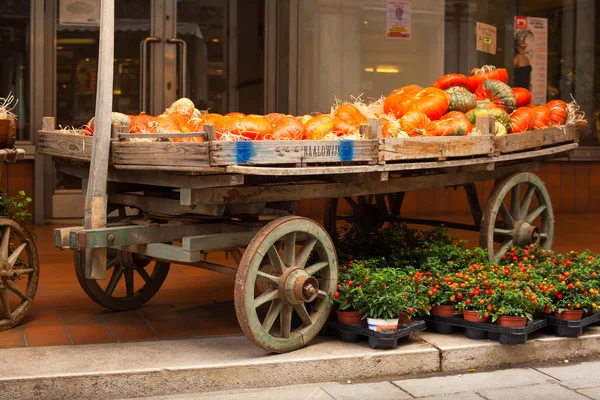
144, 70
182, 65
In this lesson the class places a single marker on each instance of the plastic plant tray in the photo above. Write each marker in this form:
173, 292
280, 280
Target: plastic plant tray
377, 340
482, 330
571, 328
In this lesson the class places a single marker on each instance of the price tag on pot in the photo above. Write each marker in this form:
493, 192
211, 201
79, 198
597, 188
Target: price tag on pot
486, 38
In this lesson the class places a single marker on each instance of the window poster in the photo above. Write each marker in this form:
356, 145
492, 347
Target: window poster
486, 38
398, 16
531, 57
79, 12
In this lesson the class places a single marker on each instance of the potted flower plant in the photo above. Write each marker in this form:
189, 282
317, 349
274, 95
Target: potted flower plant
383, 300
348, 299
513, 306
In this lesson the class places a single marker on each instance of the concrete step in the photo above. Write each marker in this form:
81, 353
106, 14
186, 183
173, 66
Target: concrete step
143, 369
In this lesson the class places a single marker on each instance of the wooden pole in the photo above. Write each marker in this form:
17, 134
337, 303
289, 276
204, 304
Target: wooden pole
95, 197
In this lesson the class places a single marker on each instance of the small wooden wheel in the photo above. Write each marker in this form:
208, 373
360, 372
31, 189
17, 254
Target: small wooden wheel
521, 220
368, 213
19, 272
123, 291
301, 274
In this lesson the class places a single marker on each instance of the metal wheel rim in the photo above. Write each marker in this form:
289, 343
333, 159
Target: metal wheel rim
495, 206
246, 303
27, 246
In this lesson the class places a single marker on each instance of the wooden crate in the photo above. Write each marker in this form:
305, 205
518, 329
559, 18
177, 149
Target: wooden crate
165, 154
295, 152
535, 139
65, 145
437, 148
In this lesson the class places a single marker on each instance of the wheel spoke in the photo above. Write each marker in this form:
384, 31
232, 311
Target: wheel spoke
142, 272
506, 217
304, 253
316, 267
289, 249
322, 294
114, 280
16, 291
535, 213
382, 206
303, 314
265, 297
527, 200
275, 259
23, 271
515, 202
285, 321
129, 281
5, 303
543, 235
111, 264
15, 255
504, 248
5, 243
273, 279
272, 314
352, 203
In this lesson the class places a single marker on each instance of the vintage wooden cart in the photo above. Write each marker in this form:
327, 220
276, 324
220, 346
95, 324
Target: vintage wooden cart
240, 197
19, 266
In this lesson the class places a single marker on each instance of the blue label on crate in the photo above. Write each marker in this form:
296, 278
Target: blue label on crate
244, 151
346, 150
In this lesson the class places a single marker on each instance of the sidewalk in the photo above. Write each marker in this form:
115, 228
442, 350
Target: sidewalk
558, 381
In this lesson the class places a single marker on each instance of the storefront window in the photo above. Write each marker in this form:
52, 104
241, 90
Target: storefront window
15, 17
344, 50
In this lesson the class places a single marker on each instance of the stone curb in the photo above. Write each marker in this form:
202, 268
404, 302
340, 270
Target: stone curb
112, 371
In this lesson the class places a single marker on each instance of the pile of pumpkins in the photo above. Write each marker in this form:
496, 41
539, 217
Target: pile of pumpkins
448, 108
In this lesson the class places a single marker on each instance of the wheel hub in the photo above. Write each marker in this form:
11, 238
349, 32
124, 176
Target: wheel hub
525, 233
296, 286
7, 272
131, 260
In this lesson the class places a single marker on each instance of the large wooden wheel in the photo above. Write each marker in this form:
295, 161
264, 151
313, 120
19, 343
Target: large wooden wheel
302, 265
19, 272
133, 280
511, 219
366, 213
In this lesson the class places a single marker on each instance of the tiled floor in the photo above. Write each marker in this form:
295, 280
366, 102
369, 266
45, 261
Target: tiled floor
191, 302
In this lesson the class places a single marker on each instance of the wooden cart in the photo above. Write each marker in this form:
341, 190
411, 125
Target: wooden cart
240, 197
19, 266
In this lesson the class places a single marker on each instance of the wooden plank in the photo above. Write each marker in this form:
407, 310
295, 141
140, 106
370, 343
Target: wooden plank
271, 152
65, 145
595, 187
533, 139
310, 190
440, 148
161, 154
219, 241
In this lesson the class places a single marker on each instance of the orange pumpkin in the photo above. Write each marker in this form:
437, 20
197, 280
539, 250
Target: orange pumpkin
287, 128
318, 127
235, 114
348, 120
416, 123
253, 127
274, 117
484, 73
394, 102
521, 120
450, 80
139, 123
522, 95
389, 128
431, 101
541, 117
454, 123
558, 111
197, 124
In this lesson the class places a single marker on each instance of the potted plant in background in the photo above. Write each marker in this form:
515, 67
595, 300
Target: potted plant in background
512, 307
